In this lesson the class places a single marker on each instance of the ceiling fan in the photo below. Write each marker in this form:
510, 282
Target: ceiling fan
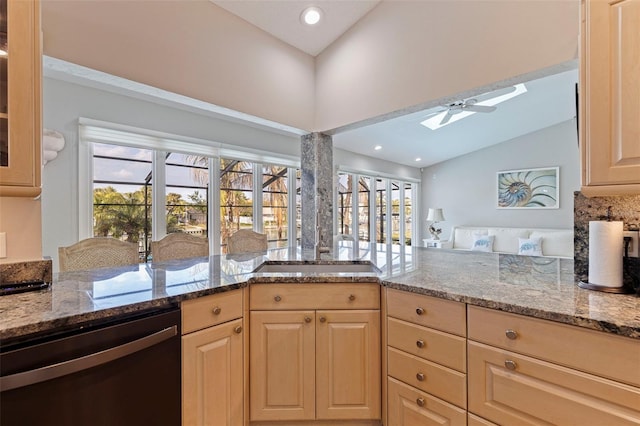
461, 106
466, 107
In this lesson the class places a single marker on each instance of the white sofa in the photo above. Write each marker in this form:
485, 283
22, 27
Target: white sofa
555, 242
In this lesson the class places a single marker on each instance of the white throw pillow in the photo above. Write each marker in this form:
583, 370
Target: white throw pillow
482, 243
530, 246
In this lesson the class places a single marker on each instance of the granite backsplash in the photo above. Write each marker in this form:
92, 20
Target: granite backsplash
624, 208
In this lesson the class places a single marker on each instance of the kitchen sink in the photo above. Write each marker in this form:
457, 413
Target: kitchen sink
317, 268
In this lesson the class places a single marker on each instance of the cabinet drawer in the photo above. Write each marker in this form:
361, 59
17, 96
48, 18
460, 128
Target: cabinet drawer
434, 345
435, 379
473, 420
211, 310
509, 388
595, 352
428, 311
409, 406
314, 296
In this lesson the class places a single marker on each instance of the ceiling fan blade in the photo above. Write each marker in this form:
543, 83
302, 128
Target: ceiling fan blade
479, 108
446, 118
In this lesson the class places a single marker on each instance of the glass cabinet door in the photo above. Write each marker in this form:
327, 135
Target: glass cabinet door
20, 98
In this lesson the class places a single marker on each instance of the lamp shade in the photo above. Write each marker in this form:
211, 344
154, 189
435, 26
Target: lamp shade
435, 215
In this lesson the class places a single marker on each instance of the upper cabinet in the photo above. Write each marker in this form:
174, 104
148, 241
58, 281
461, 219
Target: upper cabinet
610, 97
20, 98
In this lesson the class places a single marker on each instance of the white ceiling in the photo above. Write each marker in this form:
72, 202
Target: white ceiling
281, 18
548, 101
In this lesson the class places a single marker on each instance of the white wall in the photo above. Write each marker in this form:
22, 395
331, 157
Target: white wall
465, 187
64, 103
357, 162
193, 48
406, 53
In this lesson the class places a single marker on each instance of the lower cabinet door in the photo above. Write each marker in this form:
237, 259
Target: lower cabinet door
282, 365
348, 364
507, 388
212, 385
410, 407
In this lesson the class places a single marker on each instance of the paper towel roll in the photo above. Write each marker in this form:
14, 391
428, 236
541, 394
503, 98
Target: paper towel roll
605, 253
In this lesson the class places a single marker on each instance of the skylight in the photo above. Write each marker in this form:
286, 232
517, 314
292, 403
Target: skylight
434, 122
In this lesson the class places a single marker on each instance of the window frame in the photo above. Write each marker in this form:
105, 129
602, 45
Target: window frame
95, 131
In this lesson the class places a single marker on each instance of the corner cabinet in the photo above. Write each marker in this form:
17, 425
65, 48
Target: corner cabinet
212, 360
315, 353
20, 100
610, 97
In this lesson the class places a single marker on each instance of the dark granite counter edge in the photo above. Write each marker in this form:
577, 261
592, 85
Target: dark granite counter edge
84, 319
575, 320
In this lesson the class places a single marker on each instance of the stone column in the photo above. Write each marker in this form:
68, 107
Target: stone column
316, 160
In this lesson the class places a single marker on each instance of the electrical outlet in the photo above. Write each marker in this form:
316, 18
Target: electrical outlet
633, 245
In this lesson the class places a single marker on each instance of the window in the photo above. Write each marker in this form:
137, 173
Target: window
186, 191
236, 197
191, 186
122, 194
384, 211
275, 201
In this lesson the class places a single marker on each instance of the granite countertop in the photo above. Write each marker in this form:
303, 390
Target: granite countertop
535, 286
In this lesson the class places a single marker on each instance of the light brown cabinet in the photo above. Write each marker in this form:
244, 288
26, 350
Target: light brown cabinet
314, 352
212, 360
20, 112
534, 372
426, 360
610, 97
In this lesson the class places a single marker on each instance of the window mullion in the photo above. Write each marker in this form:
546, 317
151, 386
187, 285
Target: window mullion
258, 225
213, 209
401, 219
291, 207
158, 196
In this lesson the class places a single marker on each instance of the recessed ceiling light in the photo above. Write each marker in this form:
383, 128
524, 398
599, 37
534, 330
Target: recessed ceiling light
418, 159
377, 147
311, 15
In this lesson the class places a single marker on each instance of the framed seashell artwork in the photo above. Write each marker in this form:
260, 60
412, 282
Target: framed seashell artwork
528, 189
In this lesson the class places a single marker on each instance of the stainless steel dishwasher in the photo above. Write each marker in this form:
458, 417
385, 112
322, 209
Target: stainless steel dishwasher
123, 373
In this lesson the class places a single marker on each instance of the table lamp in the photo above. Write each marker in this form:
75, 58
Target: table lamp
434, 216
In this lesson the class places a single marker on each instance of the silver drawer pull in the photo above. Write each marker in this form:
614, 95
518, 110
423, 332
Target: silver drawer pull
511, 365
420, 311
216, 310
511, 334
420, 402
277, 298
420, 377
420, 343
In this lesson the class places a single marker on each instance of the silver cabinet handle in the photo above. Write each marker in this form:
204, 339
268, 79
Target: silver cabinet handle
420, 402
217, 310
420, 343
277, 298
64, 368
420, 377
420, 311
511, 365
511, 334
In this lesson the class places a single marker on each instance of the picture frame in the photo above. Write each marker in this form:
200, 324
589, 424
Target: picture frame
528, 188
